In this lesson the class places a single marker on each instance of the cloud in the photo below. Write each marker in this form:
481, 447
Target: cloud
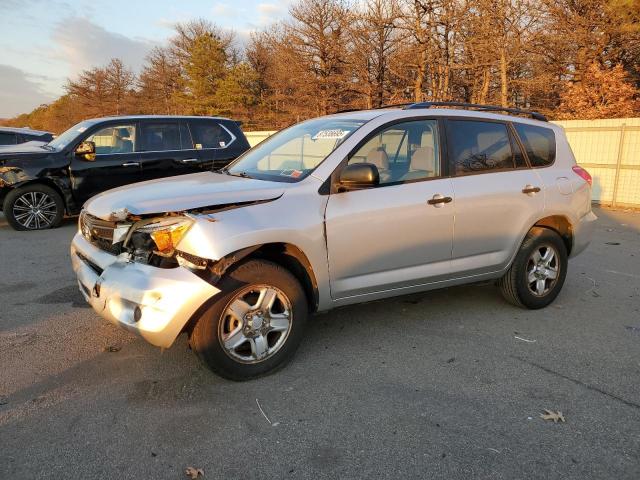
84, 44
270, 12
224, 10
19, 92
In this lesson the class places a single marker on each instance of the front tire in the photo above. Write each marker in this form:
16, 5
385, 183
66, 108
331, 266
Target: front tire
537, 274
33, 207
254, 325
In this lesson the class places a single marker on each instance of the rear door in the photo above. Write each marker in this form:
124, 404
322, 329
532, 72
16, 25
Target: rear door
117, 161
498, 196
166, 149
215, 143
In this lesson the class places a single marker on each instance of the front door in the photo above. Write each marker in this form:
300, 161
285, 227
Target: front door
399, 234
117, 162
498, 196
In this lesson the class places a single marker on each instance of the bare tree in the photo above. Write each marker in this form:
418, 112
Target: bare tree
376, 39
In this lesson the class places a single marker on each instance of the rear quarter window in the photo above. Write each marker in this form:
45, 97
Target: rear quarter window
210, 135
539, 143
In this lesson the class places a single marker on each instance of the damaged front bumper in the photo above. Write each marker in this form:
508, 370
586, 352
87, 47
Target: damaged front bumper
156, 303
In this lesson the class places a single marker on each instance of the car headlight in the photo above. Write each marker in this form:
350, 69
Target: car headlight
166, 233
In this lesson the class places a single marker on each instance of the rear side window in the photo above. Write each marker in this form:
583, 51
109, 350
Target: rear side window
7, 138
209, 135
539, 143
479, 146
159, 137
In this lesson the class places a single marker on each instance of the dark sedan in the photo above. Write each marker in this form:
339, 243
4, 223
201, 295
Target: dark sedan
15, 136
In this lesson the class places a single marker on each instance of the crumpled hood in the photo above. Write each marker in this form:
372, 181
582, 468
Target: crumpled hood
184, 192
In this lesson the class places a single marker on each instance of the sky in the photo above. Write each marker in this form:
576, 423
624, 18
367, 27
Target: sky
44, 42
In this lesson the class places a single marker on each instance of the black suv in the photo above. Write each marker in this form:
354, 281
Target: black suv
14, 136
38, 184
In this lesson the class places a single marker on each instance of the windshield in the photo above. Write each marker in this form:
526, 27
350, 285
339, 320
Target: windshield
69, 136
294, 153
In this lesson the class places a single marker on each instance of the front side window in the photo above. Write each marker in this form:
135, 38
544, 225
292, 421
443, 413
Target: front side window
402, 152
293, 153
158, 137
210, 135
7, 138
539, 143
114, 139
479, 147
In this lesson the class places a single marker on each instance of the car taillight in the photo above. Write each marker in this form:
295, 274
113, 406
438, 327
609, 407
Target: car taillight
581, 172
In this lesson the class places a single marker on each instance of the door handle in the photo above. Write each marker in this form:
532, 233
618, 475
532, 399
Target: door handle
438, 200
131, 164
188, 160
530, 189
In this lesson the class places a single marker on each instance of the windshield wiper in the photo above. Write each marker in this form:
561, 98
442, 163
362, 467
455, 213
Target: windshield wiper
236, 174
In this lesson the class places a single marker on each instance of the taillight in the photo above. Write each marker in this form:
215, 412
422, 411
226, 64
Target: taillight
582, 173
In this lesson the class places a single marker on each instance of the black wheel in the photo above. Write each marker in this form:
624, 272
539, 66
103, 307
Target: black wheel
33, 207
537, 274
255, 324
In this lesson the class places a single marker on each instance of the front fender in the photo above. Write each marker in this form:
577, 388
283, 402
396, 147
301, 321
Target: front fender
16, 177
297, 219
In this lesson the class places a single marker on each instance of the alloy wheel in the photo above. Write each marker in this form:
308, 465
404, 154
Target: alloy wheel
34, 210
255, 324
543, 269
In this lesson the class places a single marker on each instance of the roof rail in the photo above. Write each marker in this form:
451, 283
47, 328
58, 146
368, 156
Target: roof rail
475, 106
381, 107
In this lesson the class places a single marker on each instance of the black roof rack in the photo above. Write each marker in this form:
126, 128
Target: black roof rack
475, 106
381, 107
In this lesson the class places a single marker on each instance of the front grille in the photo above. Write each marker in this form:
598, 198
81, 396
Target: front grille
99, 233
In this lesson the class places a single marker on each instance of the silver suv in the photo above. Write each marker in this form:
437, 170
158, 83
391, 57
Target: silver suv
333, 211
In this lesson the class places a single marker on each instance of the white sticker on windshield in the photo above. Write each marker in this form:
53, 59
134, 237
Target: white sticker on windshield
82, 129
334, 134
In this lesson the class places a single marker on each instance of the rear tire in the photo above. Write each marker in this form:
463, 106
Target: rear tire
537, 274
33, 207
254, 325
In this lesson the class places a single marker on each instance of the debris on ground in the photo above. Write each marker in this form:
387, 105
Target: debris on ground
111, 349
632, 328
273, 424
592, 290
524, 339
194, 473
552, 416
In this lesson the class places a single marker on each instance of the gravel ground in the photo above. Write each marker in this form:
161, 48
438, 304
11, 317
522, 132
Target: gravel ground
447, 384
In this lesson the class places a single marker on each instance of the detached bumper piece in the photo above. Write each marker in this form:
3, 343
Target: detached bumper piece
156, 303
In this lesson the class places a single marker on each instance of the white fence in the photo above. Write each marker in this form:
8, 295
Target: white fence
608, 149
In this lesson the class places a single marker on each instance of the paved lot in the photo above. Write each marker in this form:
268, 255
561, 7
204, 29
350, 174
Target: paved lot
433, 385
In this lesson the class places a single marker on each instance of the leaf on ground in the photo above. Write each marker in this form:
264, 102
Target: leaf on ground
555, 417
194, 473
111, 349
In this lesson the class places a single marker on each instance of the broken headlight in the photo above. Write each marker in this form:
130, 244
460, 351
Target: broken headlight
162, 234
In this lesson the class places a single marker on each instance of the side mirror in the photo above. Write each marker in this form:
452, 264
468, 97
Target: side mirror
87, 150
359, 175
